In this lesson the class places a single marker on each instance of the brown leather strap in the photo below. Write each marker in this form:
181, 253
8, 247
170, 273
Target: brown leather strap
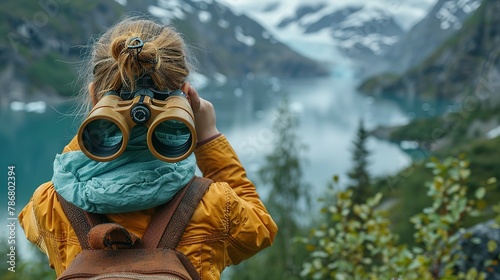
80, 220
161, 218
171, 219
111, 236
179, 210
182, 216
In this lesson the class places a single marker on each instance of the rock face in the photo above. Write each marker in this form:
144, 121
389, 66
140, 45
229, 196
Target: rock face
481, 250
45, 38
233, 44
443, 21
467, 63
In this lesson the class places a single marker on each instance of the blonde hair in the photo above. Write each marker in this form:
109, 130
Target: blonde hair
113, 64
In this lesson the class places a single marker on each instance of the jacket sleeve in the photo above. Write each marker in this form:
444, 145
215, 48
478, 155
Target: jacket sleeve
251, 228
45, 225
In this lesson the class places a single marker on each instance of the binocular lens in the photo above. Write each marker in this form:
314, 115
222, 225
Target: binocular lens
172, 138
171, 134
102, 138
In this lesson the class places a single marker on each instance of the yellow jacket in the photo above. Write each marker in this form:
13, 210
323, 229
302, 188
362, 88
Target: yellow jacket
229, 225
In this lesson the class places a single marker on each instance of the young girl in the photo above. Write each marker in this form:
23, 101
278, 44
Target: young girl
230, 223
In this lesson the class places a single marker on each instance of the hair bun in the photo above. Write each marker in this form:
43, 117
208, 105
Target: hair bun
132, 51
122, 57
149, 55
118, 46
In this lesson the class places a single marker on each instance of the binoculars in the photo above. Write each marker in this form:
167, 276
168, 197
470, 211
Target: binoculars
171, 134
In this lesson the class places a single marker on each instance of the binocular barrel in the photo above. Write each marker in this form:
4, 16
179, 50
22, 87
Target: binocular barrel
171, 134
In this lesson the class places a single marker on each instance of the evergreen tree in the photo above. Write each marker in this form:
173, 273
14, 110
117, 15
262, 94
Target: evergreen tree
282, 172
358, 175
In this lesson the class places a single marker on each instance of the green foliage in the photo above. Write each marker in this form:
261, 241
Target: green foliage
67, 20
427, 129
438, 226
43, 57
364, 247
359, 177
282, 172
35, 267
455, 129
284, 168
454, 126
483, 155
51, 70
358, 246
409, 194
372, 84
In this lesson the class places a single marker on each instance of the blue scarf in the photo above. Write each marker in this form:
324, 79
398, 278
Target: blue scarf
134, 181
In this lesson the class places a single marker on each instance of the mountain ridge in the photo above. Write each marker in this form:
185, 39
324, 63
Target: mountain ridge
45, 41
443, 21
457, 68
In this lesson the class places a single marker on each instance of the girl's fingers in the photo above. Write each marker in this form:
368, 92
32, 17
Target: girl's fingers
185, 87
192, 95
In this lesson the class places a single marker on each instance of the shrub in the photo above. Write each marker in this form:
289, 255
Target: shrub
361, 245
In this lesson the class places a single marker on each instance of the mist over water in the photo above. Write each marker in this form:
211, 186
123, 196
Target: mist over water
328, 110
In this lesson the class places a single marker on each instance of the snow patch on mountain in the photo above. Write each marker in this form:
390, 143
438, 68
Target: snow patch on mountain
247, 40
223, 23
204, 16
168, 10
121, 2
448, 12
359, 19
338, 27
407, 13
375, 42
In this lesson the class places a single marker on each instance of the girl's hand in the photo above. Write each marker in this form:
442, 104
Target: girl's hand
204, 113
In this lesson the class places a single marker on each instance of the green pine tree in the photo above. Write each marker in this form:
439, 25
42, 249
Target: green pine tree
358, 175
282, 172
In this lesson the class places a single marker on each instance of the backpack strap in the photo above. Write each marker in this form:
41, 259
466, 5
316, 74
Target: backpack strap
161, 233
171, 219
80, 220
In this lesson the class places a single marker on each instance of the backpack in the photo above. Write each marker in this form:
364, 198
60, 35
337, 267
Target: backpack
109, 251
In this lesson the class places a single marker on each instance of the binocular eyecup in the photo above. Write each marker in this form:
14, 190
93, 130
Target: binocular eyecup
171, 134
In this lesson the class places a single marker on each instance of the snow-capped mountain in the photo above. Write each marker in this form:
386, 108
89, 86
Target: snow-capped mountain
451, 13
443, 21
357, 29
466, 64
230, 44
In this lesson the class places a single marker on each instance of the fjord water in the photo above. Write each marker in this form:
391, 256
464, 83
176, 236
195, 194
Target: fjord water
329, 110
